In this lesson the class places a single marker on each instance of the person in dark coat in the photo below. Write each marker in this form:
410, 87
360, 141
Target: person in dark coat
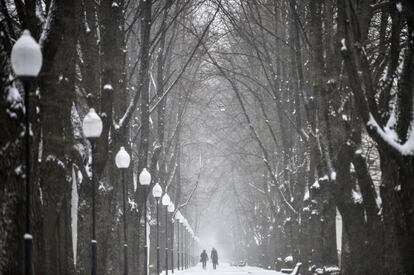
214, 258
204, 258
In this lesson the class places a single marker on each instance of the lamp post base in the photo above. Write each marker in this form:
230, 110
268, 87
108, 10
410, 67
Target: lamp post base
28, 244
93, 248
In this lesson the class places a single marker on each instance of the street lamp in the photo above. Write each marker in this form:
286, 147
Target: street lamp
182, 220
92, 129
178, 216
122, 161
186, 243
145, 180
171, 209
145, 177
190, 242
156, 193
165, 202
26, 60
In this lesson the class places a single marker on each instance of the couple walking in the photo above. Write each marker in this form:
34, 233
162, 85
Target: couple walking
213, 256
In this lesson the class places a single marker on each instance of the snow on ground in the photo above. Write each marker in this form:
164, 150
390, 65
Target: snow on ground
224, 269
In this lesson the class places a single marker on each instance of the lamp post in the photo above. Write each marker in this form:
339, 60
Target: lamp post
156, 193
165, 202
122, 161
92, 129
186, 246
26, 61
171, 209
145, 180
190, 247
182, 241
177, 218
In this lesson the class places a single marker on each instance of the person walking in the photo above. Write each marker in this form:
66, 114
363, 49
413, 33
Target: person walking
204, 258
214, 258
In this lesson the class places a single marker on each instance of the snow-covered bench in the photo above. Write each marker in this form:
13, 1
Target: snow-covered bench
326, 270
292, 271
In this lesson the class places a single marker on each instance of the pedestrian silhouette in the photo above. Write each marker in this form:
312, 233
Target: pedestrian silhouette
204, 258
214, 258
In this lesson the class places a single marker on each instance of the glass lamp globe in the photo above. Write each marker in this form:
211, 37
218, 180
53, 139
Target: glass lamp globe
92, 124
166, 200
26, 56
171, 208
157, 191
122, 158
178, 215
144, 177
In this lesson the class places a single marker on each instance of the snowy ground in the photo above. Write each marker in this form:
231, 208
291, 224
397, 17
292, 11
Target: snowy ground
225, 269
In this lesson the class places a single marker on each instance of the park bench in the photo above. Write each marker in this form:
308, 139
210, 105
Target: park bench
326, 270
292, 271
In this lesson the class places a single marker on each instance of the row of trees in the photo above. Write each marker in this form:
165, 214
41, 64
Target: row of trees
317, 103
130, 60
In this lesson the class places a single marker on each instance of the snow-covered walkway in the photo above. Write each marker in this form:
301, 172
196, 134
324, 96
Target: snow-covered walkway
225, 269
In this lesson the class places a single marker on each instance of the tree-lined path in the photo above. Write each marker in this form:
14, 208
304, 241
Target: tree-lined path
136, 133
226, 269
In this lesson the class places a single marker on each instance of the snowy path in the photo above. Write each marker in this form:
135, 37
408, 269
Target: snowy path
225, 269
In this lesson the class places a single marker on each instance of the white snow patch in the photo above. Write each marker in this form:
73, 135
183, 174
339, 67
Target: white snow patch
333, 175
132, 204
19, 171
356, 197
307, 195
13, 95
108, 87
316, 185
80, 177
343, 45
389, 129
324, 178
289, 258
101, 187
88, 167
378, 201
134, 181
399, 6
405, 149
53, 158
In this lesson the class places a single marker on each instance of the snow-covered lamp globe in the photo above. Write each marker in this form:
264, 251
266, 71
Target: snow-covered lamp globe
165, 200
122, 158
144, 177
178, 215
171, 208
26, 56
26, 60
157, 191
92, 124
